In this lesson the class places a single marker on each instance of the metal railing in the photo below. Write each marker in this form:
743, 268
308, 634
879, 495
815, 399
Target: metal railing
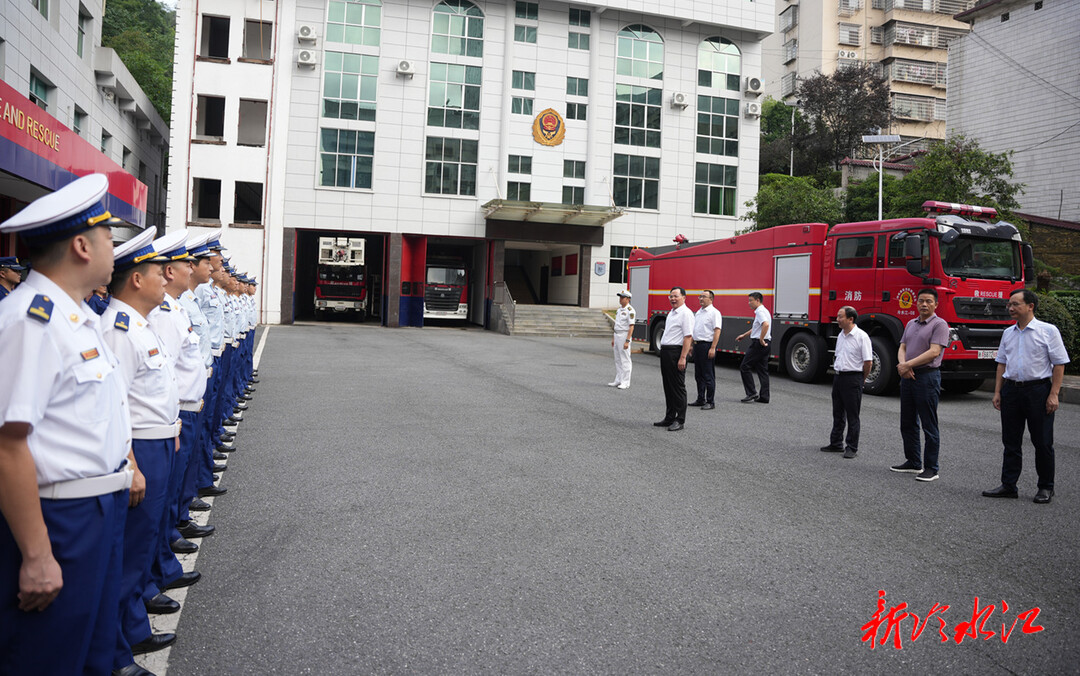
505, 306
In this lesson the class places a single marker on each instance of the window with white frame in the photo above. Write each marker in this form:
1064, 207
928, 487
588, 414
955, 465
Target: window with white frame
718, 126
714, 189
518, 191
639, 53
580, 17
525, 34
637, 181
458, 28
450, 166
349, 84
577, 40
617, 268
577, 86
520, 105
637, 115
527, 10
81, 29
577, 111
719, 64
354, 22
454, 96
346, 158
573, 194
78, 120
519, 164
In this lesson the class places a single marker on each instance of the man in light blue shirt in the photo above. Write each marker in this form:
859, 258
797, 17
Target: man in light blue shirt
1031, 365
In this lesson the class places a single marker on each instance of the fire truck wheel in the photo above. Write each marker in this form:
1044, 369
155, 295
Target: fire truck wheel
657, 333
883, 376
804, 358
962, 385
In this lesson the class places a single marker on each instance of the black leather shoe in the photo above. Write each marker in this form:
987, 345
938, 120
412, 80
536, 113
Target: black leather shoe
246, 396
675, 426
199, 505
218, 455
183, 546
699, 402
240, 408
232, 420
762, 401
749, 398
832, 449
218, 467
212, 491
132, 670
153, 644
225, 448
185, 580
162, 605
226, 436
1001, 491
708, 406
663, 423
1043, 496
194, 530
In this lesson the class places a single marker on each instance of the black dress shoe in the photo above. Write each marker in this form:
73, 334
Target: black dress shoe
246, 396
132, 670
153, 644
240, 408
225, 448
1043, 496
708, 406
199, 505
182, 546
162, 605
699, 402
232, 420
762, 401
220, 467
1001, 491
218, 455
832, 449
675, 426
226, 436
185, 580
749, 398
194, 530
212, 491
663, 423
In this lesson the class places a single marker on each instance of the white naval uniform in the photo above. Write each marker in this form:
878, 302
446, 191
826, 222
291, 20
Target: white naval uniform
624, 324
152, 391
174, 328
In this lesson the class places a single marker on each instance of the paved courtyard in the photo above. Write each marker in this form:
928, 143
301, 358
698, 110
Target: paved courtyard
459, 501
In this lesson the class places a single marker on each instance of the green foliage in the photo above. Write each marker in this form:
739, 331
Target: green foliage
862, 198
141, 32
1064, 313
783, 199
843, 107
958, 170
777, 137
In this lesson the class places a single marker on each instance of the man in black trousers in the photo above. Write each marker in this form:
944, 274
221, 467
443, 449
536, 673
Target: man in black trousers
853, 359
674, 347
756, 359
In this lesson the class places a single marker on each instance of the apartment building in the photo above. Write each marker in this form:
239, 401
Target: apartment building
69, 107
908, 39
532, 143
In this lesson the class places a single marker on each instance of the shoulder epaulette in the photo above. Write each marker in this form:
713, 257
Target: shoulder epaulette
122, 321
41, 307
165, 306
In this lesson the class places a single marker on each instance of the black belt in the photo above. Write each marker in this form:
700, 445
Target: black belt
924, 369
848, 373
671, 347
1029, 383
703, 342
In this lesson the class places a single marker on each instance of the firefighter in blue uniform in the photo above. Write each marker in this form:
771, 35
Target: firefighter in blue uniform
65, 430
10, 275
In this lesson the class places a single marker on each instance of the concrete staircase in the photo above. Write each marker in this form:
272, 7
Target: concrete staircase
560, 320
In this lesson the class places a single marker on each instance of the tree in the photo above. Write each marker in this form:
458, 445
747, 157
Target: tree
783, 199
845, 105
861, 200
141, 32
777, 137
958, 170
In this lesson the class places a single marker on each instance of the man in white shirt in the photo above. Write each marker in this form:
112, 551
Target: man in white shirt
756, 359
674, 347
852, 361
707, 323
620, 342
1031, 365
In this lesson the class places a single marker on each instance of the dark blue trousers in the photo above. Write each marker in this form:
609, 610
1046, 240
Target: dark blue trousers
189, 485
1020, 406
918, 407
704, 371
77, 632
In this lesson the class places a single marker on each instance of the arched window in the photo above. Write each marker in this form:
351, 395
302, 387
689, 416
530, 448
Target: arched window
458, 28
640, 53
354, 22
719, 64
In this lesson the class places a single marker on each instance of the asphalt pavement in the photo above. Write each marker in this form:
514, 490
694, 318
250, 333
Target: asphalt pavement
450, 501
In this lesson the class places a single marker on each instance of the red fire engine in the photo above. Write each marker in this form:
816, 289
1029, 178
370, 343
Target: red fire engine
807, 272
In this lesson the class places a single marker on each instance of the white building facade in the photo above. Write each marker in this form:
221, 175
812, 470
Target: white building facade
68, 107
536, 143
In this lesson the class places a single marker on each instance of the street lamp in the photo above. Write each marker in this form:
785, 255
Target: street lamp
791, 165
881, 140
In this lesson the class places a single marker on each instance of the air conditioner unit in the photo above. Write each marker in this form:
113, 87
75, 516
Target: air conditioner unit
307, 57
848, 54
753, 109
680, 100
407, 68
753, 86
306, 33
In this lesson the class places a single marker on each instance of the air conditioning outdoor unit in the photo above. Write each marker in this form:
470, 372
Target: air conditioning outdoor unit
753, 109
680, 100
849, 54
407, 68
306, 33
753, 86
307, 57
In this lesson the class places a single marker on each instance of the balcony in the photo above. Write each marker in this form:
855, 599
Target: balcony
848, 7
947, 7
919, 35
791, 50
918, 108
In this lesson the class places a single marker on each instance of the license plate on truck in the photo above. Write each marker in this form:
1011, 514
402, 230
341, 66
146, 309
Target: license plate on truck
988, 354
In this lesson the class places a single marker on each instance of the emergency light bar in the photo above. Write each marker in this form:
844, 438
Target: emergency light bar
933, 207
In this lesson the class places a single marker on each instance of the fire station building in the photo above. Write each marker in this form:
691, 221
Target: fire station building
532, 144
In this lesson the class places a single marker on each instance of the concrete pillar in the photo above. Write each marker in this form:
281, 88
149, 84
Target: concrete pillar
393, 280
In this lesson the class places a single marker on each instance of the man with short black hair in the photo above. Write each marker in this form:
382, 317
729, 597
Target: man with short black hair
1031, 365
756, 359
674, 347
852, 361
926, 337
707, 324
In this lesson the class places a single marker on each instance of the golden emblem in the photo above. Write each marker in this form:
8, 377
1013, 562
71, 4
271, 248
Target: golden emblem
549, 128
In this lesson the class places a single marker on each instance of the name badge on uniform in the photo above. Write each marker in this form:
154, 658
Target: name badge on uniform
89, 354
153, 352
